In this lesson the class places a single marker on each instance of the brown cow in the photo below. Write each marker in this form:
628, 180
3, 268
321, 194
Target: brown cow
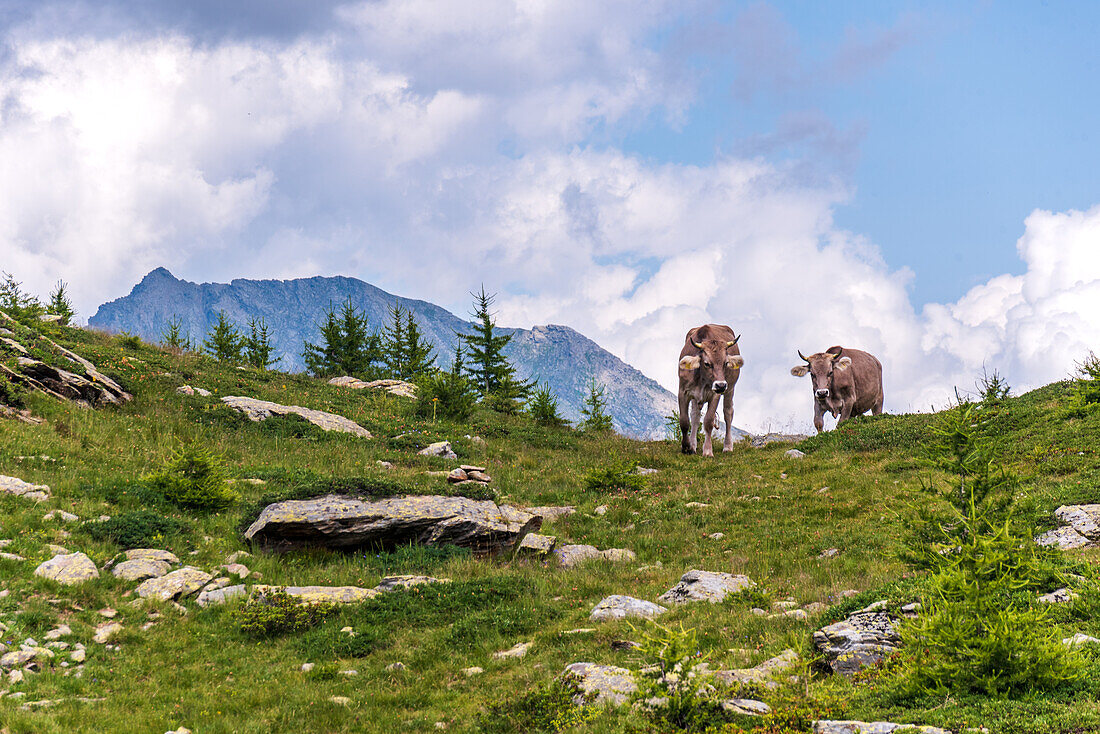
846, 382
710, 363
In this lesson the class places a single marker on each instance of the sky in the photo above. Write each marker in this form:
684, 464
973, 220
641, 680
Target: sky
914, 179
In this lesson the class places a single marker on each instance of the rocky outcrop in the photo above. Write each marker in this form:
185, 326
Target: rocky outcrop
611, 684
312, 594
537, 545
863, 639
400, 388
259, 410
19, 488
347, 523
1080, 527
618, 606
175, 585
705, 586
571, 556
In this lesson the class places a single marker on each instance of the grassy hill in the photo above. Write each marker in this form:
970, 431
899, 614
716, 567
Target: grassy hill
195, 667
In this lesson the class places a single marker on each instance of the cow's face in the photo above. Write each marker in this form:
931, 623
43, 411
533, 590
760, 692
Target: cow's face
715, 365
821, 368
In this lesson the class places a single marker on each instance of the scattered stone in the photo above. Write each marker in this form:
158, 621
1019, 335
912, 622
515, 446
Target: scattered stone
390, 583
829, 553
108, 613
62, 630
537, 545
11, 556
176, 585
621, 645
237, 569
612, 684
344, 522
140, 569
106, 632
549, 513
181, 730
865, 638
306, 667
797, 614
877, 727
211, 597
692, 505
350, 673
236, 556
644, 471
472, 671
815, 607
716, 536
60, 515
19, 488
384, 464
400, 388
518, 650
571, 556
57, 550
16, 658
259, 410
794, 454
761, 674
580, 631
746, 707
1058, 596
340, 700
78, 655
601, 509
68, 569
192, 391
310, 594
396, 667
457, 475
709, 586
618, 606
441, 449
1079, 639
911, 610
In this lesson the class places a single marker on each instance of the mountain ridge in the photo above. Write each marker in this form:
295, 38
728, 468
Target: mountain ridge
556, 354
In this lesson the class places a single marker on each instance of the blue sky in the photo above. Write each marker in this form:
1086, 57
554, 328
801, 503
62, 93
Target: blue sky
915, 179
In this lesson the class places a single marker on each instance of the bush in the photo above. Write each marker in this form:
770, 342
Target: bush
194, 479
11, 394
445, 395
128, 341
553, 707
136, 529
277, 612
596, 419
670, 691
543, 408
619, 477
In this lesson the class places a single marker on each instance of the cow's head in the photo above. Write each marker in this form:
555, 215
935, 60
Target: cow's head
714, 363
821, 367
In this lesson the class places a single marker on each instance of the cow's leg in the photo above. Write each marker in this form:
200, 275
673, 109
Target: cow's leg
819, 417
696, 411
708, 426
727, 413
876, 409
845, 412
687, 438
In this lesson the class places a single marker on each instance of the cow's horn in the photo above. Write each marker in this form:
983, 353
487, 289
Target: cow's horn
735, 340
696, 344
804, 357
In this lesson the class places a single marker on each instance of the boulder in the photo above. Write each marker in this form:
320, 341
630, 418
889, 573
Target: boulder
140, 569
211, 597
151, 554
571, 556
705, 586
391, 583
19, 488
618, 606
518, 650
175, 585
611, 684
399, 388
875, 727
259, 410
16, 658
1085, 519
346, 523
1064, 537
549, 513
68, 569
537, 545
746, 707
442, 449
93, 388
865, 638
311, 594
762, 674
794, 454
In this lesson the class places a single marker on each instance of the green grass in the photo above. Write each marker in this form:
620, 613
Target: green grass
202, 672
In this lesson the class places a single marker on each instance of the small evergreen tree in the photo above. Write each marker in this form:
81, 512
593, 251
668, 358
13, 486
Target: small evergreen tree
489, 369
446, 394
543, 407
394, 346
257, 346
419, 354
60, 304
347, 347
224, 342
173, 338
594, 411
15, 302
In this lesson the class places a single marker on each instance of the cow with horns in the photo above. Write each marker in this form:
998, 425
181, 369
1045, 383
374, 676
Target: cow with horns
846, 382
710, 363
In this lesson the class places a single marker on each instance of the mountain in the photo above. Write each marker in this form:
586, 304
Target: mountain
557, 355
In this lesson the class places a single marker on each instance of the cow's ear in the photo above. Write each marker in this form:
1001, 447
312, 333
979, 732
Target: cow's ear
843, 363
735, 361
689, 363
800, 370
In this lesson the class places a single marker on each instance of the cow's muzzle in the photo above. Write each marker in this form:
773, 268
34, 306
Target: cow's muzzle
720, 387
822, 393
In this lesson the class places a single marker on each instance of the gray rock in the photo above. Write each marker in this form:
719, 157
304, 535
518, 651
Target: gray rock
537, 545
549, 513
16, 658
68, 569
1079, 639
518, 650
399, 388
391, 583
712, 586
571, 556
442, 449
344, 522
19, 488
1058, 596
875, 727
1063, 537
829, 553
311, 594
612, 685
865, 638
176, 585
761, 674
214, 597
259, 410
746, 707
192, 391
618, 606
106, 632
140, 569
1085, 519
794, 454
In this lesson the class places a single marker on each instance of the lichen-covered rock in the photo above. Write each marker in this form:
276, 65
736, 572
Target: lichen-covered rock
140, 569
537, 545
441, 449
518, 650
618, 606
549, 513
571, 556
1063, 537
762, 674
1085, 519
712, 586
874, 727
210, 597
16, 658
312, 594
175, 585
346, 523
19, 488
865, 638
611, 684
1058, 596
399, 388
746, 707
68, 569
259, 410
151, 554
390, 583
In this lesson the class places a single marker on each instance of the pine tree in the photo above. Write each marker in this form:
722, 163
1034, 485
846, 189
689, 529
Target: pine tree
257, 346
172, 337
394, 347
594, 411
15, 302
346, 348
224, 342
60, 304
489, 369
419, 354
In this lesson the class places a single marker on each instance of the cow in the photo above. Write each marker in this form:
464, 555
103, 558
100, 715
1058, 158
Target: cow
710, 363
846, 382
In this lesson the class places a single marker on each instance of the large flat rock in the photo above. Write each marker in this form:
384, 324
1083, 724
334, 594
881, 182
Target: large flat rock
176, 585
313, 594
19, 488
611, 684
712, 586
259, 410
343, 522
871, 727
619, 606
68, 569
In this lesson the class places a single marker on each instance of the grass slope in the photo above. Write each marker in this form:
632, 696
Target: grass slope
198, 670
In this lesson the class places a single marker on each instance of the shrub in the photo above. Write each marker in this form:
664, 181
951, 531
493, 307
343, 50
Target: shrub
670, 691
128, 341
17, 303
596, 419
618, 477
445, 395
11, 394
543, 407
195, 479
277, 612
553, 707
1088, 382
136, 529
